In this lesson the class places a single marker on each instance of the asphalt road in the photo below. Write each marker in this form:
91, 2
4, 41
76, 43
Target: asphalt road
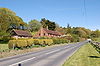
54, 56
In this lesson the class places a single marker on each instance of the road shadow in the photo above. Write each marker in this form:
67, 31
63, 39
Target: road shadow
93, 56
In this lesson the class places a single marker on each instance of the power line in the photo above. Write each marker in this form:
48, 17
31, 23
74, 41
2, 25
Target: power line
85, 14
85, 11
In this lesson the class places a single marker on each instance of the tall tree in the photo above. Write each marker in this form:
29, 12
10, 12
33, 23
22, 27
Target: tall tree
95, 34
9, 20
7, 11
34, 25
68, 29
47, 23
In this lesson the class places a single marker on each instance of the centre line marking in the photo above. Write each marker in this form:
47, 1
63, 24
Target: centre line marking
22, 61
52, 51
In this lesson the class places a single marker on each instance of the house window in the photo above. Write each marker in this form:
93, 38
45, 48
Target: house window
44, 34
48, 34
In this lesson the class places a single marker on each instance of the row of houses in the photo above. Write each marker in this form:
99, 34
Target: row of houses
43, 32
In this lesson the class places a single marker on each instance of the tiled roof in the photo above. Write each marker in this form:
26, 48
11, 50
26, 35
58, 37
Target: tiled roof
52, 32
23, 33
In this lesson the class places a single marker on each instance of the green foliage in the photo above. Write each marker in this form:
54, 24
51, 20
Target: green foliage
75, 38
9, 21
95, 34
3, 47
12, 43
5, 39
48, 24
36, 42
7, 11
59, 41
36, 46
34, 25
85, 56
29, 42
21, 43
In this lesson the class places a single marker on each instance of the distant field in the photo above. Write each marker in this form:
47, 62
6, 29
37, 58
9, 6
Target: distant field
3, 46
97, 39
85, 56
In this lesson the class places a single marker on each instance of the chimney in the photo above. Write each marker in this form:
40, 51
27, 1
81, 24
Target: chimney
47, 28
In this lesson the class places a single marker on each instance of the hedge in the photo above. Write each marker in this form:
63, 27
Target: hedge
29, 42
59, 41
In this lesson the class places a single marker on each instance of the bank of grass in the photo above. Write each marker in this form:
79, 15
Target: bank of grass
85, 56
97, 39
3, 47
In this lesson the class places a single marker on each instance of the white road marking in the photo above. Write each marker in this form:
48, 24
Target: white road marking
22, 61
52, 51
35, 57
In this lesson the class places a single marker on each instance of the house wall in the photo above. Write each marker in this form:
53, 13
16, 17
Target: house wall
43, 33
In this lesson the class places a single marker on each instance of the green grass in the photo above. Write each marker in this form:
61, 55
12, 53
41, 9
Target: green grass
33, 33
85, 56
3, 47
97, 39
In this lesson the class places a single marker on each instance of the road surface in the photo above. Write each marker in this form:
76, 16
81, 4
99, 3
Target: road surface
54, 56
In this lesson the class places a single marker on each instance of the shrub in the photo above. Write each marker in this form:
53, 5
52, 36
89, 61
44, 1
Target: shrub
21, 43
59, 41
12, 44
36, 42
30, 42
5, 39
47, 41
17, 43
43, 41
26, 43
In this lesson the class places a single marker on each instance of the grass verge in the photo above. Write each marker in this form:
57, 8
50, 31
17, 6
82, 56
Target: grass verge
26, 50
85, 56
3, 47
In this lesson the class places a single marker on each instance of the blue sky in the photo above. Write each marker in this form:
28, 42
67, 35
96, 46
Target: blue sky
59, 11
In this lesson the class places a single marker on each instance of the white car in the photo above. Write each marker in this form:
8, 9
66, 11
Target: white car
89, 40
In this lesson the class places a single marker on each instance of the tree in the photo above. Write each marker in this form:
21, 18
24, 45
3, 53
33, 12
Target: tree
95, 34
80, 32
34, 25
43, 22
7, 11
47, 23
9, 21
68, 30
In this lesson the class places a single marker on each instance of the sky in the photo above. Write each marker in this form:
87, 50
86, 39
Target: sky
63, 12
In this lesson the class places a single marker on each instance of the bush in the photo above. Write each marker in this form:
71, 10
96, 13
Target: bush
29, 42
21, 43
4, 39
36, 42
12, 44
43, 42
59, 41
47, 41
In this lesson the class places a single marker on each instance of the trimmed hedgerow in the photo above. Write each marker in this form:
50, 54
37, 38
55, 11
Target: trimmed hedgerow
29, 42
59, 41
12, 43
21, 43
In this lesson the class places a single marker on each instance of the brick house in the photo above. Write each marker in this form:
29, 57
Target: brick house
44, 32
20, 34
